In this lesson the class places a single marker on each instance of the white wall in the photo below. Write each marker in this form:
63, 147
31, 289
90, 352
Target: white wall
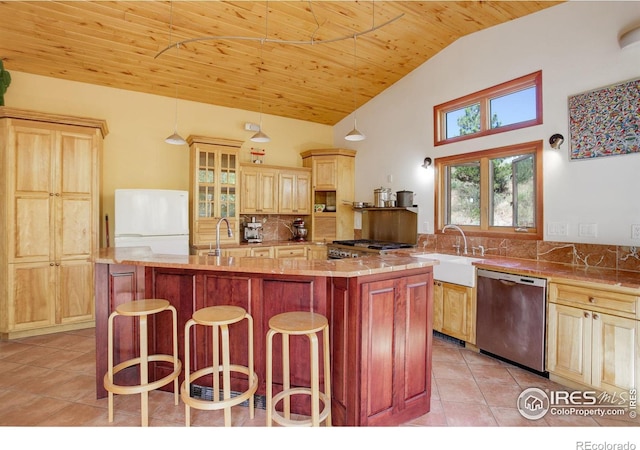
575, 44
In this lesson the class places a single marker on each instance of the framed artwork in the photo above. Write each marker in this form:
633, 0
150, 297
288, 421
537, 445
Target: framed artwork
605, 121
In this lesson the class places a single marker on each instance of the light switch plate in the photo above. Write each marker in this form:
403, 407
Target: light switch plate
635, 231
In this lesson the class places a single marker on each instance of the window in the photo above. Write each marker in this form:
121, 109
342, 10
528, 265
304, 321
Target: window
507, 106
497, 191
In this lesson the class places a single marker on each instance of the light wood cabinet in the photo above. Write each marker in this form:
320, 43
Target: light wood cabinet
236, 252
317, 251
262, 252
50, 166
294, 192
214, 189
454, 311
291, 251
592, 335
333, 184
275, 190
259, 189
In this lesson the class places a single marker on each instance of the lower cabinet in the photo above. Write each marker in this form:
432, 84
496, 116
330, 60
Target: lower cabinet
592, 337
290, 251
46, 294
310, 252
454, 311
395, 322
317, 252
263, 252
236, 252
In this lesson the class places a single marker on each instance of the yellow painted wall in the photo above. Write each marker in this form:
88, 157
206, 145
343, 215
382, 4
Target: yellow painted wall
135, 154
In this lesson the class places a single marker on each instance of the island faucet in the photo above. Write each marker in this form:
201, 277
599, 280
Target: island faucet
456, 227
229, 233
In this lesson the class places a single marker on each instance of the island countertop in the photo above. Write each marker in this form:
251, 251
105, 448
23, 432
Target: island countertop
342, 268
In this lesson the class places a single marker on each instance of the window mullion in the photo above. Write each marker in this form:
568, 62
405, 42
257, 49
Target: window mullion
485, 120
485, 193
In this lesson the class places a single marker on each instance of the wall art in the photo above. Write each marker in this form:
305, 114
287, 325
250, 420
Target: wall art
605, 121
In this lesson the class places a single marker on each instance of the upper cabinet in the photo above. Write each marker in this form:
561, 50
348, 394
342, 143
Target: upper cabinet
333, 175
294, 191
259, 189
275, 190
50, 189
214, 189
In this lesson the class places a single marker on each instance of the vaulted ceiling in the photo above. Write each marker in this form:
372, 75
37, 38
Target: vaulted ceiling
244, 54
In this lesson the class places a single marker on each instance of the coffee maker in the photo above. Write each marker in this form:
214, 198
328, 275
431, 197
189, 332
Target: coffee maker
253, 231
299, 231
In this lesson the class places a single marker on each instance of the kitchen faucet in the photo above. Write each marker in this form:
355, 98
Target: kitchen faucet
229, 233
456, 227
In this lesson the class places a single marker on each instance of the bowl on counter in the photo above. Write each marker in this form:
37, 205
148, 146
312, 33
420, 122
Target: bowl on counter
330, 208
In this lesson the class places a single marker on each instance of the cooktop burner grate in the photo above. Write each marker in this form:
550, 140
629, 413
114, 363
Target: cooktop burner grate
373, 244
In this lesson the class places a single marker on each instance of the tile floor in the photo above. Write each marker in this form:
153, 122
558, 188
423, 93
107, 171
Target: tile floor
48, 381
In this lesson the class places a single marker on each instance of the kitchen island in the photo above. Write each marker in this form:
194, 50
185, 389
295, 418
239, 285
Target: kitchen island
379, 310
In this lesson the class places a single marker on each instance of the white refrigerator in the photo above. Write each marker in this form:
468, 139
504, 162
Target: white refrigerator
156, 218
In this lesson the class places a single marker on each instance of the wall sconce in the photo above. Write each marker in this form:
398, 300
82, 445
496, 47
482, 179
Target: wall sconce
629, 38
426, 163
556, 141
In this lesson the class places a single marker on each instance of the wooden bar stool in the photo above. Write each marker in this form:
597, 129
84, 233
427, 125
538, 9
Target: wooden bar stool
219, 318
299, 323
142, 309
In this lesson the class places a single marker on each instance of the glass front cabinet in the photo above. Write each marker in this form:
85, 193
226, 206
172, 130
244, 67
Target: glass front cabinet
214, 184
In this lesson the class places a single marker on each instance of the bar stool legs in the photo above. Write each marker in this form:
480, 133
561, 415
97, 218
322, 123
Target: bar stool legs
299, 323
219, 318
142, 309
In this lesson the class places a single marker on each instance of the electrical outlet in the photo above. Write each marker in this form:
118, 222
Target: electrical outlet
635, 231
588, 229
557, 229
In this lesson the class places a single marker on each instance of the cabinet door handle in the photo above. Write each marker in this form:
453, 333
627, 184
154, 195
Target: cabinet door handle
50, 194
592, 300
595, 317
586, 315
51, 264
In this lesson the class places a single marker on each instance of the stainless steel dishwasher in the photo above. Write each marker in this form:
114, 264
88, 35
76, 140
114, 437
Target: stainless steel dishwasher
511, 317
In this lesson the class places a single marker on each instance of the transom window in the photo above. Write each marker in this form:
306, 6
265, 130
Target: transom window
497, 191
507, 106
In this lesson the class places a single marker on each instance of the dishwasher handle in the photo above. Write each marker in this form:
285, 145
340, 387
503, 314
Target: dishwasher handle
511, 279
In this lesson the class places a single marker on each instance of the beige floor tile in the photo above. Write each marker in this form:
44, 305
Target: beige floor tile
50, 381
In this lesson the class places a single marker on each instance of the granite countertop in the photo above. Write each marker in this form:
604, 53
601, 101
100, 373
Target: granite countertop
263, 244
545, 269
343, 268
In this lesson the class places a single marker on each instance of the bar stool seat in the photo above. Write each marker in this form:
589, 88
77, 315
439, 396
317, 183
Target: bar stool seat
298, 323
142, 309
219, 318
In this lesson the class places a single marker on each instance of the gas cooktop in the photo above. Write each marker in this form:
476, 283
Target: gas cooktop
374, 245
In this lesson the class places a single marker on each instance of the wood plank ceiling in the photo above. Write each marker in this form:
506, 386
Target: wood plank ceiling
117, 44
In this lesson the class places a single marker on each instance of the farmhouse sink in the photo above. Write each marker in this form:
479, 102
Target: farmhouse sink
453, 268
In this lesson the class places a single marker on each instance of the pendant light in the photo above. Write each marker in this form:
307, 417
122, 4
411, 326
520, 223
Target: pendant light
260, 136
355, 134
175, 138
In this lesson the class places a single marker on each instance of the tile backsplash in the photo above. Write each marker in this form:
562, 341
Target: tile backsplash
586, 255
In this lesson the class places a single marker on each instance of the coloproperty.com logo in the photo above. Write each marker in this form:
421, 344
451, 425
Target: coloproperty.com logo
534, 403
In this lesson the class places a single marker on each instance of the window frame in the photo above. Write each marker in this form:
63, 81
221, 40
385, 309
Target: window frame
484, 98
483, 157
